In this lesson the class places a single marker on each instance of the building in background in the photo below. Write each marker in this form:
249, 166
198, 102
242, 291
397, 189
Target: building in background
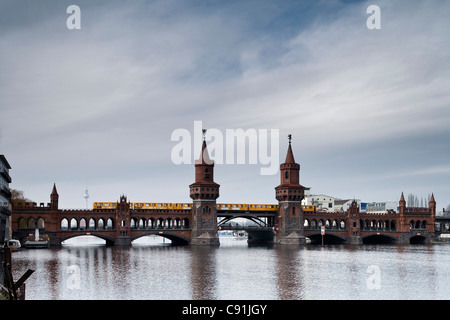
382, 207
343, 205
5, 212
5, 196
322, 202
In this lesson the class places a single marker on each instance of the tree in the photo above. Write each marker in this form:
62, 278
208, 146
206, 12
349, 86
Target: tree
17, 196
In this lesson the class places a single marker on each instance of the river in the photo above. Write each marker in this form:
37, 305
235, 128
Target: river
150, 269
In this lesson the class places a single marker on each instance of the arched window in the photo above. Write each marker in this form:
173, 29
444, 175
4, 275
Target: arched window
40, 223
206, 173
123, 223
22, 223
293, 211
393, 225
91, 224
110, 224
64, 224
286, 175
342, 224
73, 224
101, 224
186, 223
83, 224
306, 224
335, 224
206, 210
31, 223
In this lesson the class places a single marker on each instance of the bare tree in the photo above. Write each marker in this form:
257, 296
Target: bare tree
17, 196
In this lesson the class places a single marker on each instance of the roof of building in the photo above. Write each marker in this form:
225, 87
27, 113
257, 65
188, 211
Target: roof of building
2, 157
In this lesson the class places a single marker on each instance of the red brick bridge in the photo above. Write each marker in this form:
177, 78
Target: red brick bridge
198, 224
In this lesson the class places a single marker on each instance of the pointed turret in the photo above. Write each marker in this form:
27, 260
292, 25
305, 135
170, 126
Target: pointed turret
204, 156
432, 204
402, 202
54, 191
204, 192
289, 219
54, 198
290, 170
289, 155
204, 185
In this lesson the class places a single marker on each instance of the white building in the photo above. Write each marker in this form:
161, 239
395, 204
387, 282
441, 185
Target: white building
321, 201
381, 207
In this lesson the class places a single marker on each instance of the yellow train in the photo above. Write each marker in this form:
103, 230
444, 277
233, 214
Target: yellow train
188, 206
309, 208
105, 205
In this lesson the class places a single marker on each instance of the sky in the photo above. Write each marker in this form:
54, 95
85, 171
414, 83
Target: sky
96, 107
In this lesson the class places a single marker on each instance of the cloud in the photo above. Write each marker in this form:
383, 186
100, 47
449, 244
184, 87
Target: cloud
105, 99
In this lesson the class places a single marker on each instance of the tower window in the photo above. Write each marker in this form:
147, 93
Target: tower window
286, 175
206, 211
206, 173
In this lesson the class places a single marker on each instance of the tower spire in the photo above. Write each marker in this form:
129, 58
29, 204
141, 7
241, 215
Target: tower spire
54, 198
289, 156
204, 192
289, 220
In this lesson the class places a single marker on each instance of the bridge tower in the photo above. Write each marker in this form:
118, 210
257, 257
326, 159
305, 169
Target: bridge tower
204, 192
123, 237
403, 226
289, 219
52, 225
54, 198
354, 228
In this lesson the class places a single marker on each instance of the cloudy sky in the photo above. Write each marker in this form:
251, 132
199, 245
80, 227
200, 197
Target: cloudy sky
368, 110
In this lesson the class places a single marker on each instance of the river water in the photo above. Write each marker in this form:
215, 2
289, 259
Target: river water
150, 269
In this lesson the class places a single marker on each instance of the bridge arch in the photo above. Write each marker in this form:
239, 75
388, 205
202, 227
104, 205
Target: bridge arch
256, 220
176, 239
328, 238
418, 239
109, 240
378, 238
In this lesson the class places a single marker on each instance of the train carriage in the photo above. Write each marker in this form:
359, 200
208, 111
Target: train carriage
188, 206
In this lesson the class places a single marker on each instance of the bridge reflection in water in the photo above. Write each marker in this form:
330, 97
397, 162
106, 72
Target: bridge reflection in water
235, 271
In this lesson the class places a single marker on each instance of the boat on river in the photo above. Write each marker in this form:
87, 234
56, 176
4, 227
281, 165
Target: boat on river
14, 245
37, 241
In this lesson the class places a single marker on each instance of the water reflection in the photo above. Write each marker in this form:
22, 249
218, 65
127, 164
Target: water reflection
235, 271
290, 273
203, 273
